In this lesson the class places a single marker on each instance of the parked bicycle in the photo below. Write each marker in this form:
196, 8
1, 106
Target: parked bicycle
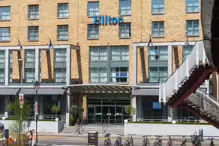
158, 141
195, 140
145, 141
170, 142
184, 142
107, 141
118, 141
129, 141
212, 142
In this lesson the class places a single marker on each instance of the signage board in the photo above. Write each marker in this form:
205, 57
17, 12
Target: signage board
107, 20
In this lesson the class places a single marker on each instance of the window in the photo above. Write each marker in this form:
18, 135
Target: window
29, 75
193, 28
2, 66
125, 7
33, 12
5, 34
157, 74
33, 33
60, 55
2, 56
125, 30
187, 50
11, 65
2, 75
193, 6
30, 55
60, 75
63, 11
157, 6
5, 13
158, 53
98, 54
63, 32
98, 75
93, 31
119, 74
120, 53
93, 9
158, 29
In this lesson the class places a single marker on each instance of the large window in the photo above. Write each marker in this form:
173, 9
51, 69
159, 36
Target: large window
2, 66
63, 32
193, 6
119, 74
158, 53
33, 33
5, 13
11, 66
5, 34
98, 75
93, 9
33, 12
63, 11
125, 7
125, 30
60, 55
187, 50
60, 74
158, 29
30, 55
29, 65
60, 65
157, 6
120, 53
29, 75
157, 74
193, 28
93, 31
98, 54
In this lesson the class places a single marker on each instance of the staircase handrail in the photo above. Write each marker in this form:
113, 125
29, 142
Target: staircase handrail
207, 98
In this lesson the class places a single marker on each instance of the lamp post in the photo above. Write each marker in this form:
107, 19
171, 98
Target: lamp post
20, 123
36, 87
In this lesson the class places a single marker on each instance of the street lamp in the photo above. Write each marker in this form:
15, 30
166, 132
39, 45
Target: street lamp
21, 63
36, 87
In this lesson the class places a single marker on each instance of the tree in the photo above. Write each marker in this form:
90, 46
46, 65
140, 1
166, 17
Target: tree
20, 118
74, 112
130, 110
55, 109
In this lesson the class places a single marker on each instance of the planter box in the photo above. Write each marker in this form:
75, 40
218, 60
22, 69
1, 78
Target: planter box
168, 129
43, 126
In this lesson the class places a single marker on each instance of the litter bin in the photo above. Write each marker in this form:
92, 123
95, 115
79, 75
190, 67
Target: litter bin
93, 138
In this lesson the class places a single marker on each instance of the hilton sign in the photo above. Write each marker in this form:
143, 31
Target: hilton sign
107, 20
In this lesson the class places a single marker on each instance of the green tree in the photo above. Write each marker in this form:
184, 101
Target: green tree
130, 110
20, 118
55, 109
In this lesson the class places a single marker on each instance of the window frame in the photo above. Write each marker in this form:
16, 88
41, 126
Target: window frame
158, 54
62, 56
4, 7
158, 28
193, 8
158, 72
120, 10
193, 28
125, 27
152, 8
96, 12
184, 54
32, 52
120, 48
99, 56
6, 36
33, 70
119, 72
58, 32
38, 16
98, 69
58, 12
28, 35
93, 27
64, 75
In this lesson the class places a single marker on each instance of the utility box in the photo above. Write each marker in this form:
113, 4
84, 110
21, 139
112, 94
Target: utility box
93, 138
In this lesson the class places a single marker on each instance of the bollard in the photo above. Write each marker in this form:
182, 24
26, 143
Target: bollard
201, 135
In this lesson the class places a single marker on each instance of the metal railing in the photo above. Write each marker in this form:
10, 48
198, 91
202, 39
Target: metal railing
181, 74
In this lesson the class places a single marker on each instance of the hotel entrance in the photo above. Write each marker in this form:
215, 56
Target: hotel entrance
107, 109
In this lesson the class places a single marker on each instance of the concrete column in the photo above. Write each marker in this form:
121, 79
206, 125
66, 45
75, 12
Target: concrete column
135, 65
84, 106
6, 105
139, 108
170, 70
134, 105
6, 67
68, 95
41, 109
68, 66
37, 66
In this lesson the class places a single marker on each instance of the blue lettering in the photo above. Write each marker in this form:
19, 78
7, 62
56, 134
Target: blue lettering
102, 20
99, 19
107, 20
114, 21
95, 19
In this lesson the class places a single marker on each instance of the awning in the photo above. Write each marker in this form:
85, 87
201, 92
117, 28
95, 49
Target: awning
146, 92
9, 91
105, 88
43, 91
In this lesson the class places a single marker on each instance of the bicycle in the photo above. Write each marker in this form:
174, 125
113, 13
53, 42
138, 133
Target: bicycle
212, 142
170, 142
145, 141
107, 141
195, 140
184, 142
118, 141
129, 141
158, 141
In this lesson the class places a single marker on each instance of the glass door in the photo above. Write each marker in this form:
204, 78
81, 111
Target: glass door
119, 115
109, 114
98, 114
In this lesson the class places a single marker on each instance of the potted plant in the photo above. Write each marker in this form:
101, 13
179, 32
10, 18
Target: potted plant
55, 109
74, 112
